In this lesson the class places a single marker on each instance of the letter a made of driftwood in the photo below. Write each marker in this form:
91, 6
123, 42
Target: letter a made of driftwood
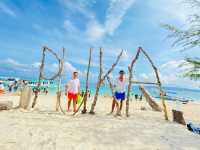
102, 77
130, 68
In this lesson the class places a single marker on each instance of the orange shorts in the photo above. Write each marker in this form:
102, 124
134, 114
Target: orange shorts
2, 91
72, 96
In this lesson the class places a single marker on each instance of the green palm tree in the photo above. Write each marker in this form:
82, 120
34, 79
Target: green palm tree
188, 38
194, 68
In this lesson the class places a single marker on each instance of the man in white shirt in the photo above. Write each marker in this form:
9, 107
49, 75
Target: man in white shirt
120, 91
73, 90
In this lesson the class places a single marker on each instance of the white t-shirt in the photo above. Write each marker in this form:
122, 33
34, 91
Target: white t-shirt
73, 86
120, 86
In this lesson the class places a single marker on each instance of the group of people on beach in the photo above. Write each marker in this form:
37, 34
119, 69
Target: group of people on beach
11, 86
73, 91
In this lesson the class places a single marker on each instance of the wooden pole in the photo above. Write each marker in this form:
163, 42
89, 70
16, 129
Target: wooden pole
130, 72
111, 87
113, 95
37, 89
58, 103
98, 85
84, 101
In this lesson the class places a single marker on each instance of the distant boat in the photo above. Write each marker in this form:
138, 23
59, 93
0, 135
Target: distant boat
44, 83
173, 98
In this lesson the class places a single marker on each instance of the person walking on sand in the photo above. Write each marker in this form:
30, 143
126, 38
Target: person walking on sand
120, 89
73, 90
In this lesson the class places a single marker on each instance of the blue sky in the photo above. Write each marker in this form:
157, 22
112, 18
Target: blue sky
77, 25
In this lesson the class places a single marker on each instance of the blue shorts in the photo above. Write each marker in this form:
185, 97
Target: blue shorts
120, 96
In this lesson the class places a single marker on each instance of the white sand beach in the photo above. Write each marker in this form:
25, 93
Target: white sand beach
45, 129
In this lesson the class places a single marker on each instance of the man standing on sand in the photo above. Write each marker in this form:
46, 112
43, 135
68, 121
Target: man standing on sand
120, 90
73, 90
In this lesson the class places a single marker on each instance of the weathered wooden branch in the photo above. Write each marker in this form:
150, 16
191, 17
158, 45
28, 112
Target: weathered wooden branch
60, 66
140, 82
113, 94
130, 72
41, 70
150, 99
111, 86
98, 85
102, 78
58, 102
84, 101
37, 89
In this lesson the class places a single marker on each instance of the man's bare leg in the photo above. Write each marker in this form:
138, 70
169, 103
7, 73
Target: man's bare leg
118, 113
113, 107
69, 104
121, 105
74, 105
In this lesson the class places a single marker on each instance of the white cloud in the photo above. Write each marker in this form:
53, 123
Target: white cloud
115, 14
171, 65
14, 63
166, 10
84, 62
114, 17
95, 31
36, 65
5, 9
171, 74
69, 26
144, 76
70, 67
78, 7
11, 64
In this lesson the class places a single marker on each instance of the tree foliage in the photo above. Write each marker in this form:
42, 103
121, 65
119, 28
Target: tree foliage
194, 68
188, 37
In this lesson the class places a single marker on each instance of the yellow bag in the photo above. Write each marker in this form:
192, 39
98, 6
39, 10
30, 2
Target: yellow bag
79, 99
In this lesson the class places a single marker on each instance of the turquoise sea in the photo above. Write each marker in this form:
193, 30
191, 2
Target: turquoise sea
183, 93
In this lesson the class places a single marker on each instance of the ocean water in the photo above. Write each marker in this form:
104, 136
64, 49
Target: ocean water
183, 93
